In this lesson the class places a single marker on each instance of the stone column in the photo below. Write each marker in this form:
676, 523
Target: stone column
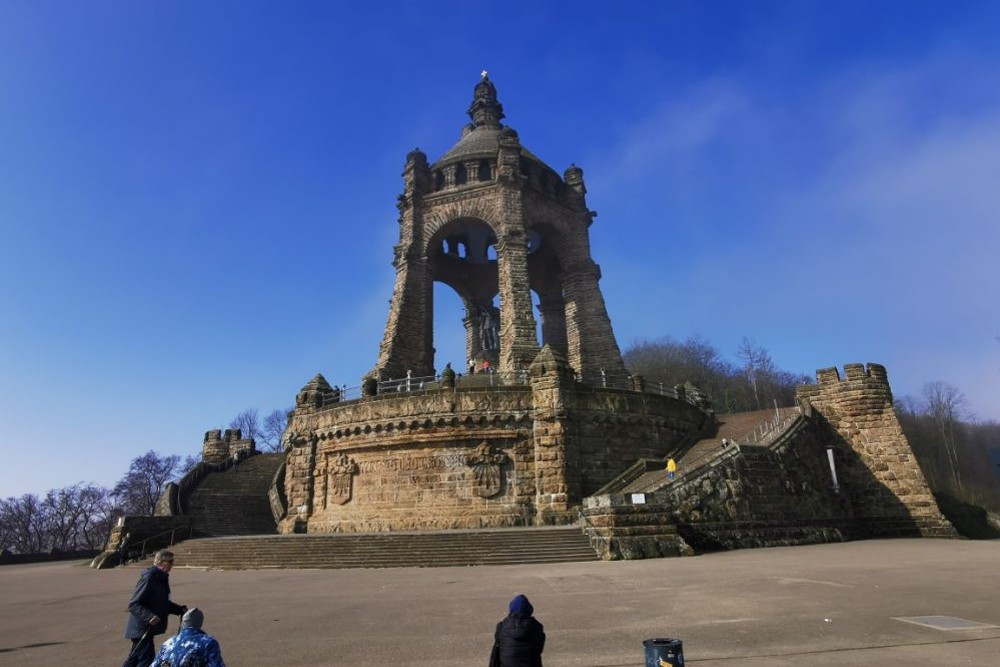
449, 175
591, 343
408, 341
300, 465
471, 171
518, 338
590, 338
552, 309
558, 482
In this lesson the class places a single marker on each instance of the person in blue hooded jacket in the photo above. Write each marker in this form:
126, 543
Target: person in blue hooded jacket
519, 638
149, 608
191, 647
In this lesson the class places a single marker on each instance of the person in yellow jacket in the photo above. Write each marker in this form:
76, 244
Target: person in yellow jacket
671, 468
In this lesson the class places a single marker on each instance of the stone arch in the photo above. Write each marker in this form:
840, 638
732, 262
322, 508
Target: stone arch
458, 255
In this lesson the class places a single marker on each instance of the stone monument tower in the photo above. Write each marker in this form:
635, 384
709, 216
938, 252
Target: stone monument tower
494, 223
557, 431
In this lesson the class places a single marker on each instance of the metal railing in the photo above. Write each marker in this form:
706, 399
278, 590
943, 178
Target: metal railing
760, 433
493, 379
142, 549
409, 383
661, 389
341, 394
608, 380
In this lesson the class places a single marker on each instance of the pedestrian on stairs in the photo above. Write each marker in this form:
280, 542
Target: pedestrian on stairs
519, 638
671, 468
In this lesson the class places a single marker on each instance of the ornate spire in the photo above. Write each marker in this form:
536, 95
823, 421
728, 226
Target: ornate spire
485, 111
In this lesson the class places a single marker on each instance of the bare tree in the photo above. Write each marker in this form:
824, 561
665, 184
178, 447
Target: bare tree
274, 427
248, 422
23, 521
138, 491
757, 365
96, 515
186, 465
947, 407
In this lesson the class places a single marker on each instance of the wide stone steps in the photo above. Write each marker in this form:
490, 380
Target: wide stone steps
506, 546
731, 427
234, 501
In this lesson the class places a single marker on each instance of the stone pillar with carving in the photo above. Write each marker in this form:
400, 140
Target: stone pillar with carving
300, 468
558, 483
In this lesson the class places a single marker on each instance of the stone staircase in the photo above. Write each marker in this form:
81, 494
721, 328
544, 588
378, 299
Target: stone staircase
234, 501
504, 546
732, 427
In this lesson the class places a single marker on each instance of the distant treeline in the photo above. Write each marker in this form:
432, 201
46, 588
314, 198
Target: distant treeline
755, 383
78, 518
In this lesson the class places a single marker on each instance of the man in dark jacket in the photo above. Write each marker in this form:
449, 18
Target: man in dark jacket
148, 609
519, 638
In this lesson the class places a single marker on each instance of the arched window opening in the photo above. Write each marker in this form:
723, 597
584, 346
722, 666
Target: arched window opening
449, 332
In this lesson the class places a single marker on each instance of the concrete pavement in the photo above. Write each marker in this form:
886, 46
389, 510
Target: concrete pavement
811, 606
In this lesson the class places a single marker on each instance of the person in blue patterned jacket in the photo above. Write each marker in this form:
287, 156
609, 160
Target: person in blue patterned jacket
191, 647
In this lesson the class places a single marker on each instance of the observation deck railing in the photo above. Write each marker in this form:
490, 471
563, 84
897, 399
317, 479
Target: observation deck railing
491, 378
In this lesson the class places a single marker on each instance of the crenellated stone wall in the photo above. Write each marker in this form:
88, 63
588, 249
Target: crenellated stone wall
219, 447
842, 470
877, 467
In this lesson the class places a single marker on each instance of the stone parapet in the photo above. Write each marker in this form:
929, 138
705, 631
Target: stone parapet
470, 457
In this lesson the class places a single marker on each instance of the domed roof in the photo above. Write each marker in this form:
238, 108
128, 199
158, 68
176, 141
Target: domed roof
481, 137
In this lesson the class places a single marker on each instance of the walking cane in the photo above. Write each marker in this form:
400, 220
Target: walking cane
135, 646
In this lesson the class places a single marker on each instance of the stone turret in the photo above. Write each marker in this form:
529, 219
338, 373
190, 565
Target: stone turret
315, 393
219, 448
859, 409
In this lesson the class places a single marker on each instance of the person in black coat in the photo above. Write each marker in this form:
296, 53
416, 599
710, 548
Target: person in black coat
149, 608
519, 638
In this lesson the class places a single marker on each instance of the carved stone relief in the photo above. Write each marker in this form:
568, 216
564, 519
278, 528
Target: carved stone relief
485, 464
340, 473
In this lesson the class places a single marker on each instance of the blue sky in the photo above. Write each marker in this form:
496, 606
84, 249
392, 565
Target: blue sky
197, 200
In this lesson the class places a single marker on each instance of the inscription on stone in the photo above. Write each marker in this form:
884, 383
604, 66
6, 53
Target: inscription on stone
439, 462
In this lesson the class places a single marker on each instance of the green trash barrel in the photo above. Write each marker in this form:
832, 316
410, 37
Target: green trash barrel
664, 652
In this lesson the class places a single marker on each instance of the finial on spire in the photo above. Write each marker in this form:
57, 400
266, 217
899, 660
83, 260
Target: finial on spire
486, 110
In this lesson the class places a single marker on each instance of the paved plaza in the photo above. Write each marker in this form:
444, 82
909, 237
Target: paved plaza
813, 606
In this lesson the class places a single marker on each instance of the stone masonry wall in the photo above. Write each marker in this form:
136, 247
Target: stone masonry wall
748, 496
413, 461
880, 473
470, 457
617, 428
